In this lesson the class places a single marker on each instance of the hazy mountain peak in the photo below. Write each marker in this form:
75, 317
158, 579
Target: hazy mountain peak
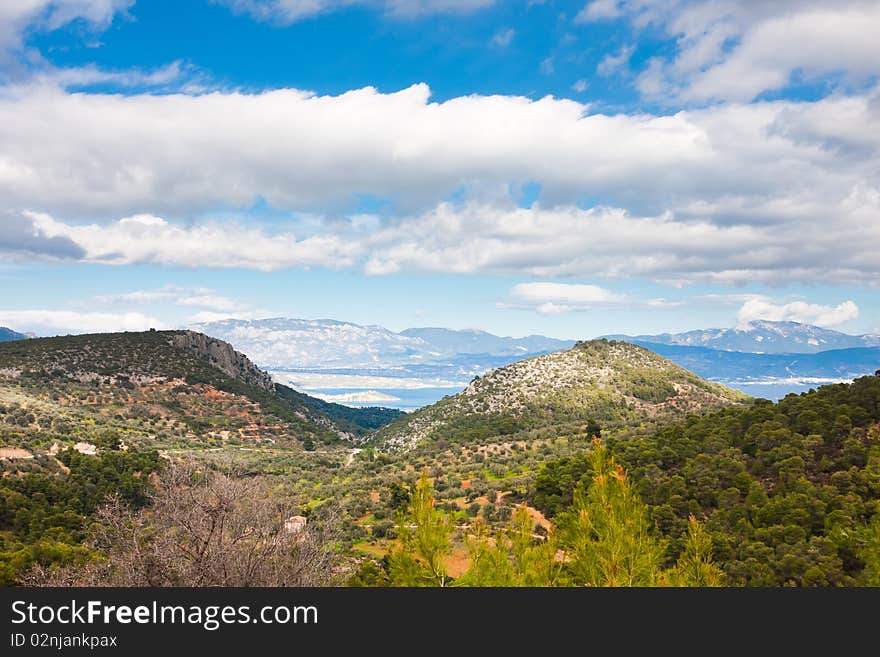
324, 343
761, 336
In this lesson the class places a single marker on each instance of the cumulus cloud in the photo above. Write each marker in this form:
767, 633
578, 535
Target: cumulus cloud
611, 243
102, 155
149, 239
733, 50
285, 12
797, 311
19, 16
612, 63
196, 297
19, 240
724, 194
58, 322
597, 10
553, 298
499, 238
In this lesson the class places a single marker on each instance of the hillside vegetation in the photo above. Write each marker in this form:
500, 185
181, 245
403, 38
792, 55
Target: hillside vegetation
159, 387
81, 417
511, 484
611, 383
787, 491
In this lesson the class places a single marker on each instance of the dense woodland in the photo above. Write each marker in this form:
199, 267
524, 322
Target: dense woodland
789, 492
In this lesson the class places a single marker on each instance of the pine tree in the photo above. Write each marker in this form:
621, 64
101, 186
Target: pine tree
426, 539
512, 556
869, 551
695, 566
605, 533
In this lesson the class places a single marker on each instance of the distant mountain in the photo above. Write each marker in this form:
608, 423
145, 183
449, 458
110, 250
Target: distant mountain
761, 336
717, 364
606, 382
288, 343
447, 342
284, 343
8, 335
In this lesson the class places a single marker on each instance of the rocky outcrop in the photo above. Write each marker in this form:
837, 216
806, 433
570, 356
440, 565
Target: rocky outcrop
222, 356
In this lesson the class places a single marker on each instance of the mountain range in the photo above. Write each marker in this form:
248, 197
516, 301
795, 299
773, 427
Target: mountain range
282, 343
87, 416
761, 336
777, 357
417, 366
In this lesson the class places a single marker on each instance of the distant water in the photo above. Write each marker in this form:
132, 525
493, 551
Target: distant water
773, 391
408, 399
412, 392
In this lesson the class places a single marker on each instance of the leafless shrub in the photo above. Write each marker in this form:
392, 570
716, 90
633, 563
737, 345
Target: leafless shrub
203, 529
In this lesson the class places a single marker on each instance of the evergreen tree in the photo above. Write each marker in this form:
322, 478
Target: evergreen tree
606, 534
512, 556
695, 566
869, 552
426, 539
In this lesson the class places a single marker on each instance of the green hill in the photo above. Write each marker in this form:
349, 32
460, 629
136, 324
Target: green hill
158, 388
786, 490
607, 382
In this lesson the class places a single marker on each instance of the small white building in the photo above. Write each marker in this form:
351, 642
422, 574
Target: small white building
86, 448
295, 524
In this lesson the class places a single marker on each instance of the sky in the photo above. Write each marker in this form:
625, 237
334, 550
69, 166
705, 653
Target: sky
566, 168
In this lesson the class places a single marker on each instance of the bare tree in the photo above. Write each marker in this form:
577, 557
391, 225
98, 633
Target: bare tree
203, 529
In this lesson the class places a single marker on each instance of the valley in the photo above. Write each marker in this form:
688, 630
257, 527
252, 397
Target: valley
420, 366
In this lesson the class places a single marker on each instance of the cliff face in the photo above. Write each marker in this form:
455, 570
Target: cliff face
222, 356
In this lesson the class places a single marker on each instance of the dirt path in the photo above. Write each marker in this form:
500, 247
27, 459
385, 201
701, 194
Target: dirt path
350, 459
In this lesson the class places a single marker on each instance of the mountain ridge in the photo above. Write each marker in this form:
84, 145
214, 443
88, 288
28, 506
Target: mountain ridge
760, 336
280, 343
173, 369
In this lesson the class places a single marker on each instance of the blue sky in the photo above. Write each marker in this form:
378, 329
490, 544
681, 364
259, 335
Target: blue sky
564, 168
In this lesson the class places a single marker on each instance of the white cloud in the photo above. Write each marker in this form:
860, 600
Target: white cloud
57, 322
19, 16
728, 49
610, 243
554, 298
744, 191
285, 12
149, 239
797, 311
102, 155
547, 67
599, 10
494, 237
90, 74
612, 63
179, 296
580, 86
503, 38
